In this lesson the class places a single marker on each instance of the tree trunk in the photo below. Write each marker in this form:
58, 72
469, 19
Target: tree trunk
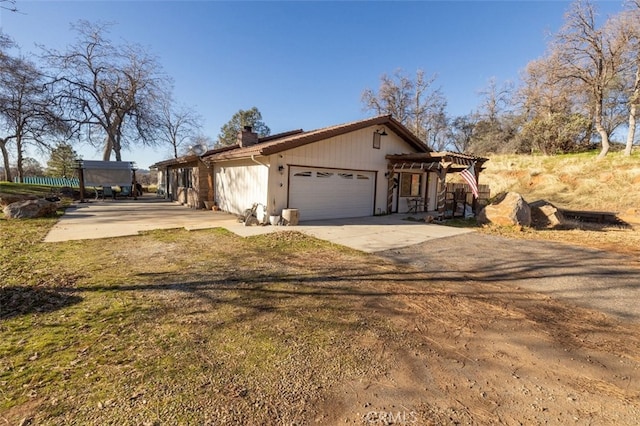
631, 134
108, 147
635, 98
604, 136
117, 147
605, 141
19, 159
5, 159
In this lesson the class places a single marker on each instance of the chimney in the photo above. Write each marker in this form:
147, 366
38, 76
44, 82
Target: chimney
247, 137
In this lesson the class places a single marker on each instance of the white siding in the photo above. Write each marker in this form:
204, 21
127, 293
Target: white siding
351, 151
239, 184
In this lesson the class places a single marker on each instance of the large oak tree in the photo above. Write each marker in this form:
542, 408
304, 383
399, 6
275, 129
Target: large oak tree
110, 93
590, 57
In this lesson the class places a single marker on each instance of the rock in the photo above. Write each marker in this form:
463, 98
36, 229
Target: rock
30, 209
508, 210
67, 191
545, 215
6, 199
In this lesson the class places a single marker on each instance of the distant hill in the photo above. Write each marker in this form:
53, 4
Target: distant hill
572, 181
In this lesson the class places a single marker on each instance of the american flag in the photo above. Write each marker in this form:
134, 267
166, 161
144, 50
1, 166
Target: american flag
469, 175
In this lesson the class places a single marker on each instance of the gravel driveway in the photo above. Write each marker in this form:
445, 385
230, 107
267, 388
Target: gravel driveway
586, 277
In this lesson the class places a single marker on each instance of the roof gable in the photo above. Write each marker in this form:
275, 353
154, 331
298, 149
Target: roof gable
296, 138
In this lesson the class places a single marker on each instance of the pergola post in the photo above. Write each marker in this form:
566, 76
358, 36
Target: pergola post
134, 184
81, 180
390, 188
442, 186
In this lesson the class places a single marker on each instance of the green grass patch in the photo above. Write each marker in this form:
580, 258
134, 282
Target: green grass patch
24, 189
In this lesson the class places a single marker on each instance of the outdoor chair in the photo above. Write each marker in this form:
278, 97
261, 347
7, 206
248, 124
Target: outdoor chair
107, 191
415, 205
125, 191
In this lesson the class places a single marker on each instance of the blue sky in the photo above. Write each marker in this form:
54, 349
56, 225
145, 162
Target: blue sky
305, 64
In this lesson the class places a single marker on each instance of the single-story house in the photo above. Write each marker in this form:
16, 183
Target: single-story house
363, 168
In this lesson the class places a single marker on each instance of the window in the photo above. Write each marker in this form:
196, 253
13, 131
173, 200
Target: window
410, 184
185, 178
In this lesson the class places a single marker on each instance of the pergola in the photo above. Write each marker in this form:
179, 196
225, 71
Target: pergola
105, 173
441, 163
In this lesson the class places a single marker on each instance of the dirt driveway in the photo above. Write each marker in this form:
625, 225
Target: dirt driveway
589, 278
528, 332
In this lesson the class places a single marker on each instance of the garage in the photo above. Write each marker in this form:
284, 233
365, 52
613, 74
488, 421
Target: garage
331, 193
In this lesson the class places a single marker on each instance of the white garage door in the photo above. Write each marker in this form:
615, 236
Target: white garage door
330, 194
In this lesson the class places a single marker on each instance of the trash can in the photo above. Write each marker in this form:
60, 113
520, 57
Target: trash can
274, 220
290, 217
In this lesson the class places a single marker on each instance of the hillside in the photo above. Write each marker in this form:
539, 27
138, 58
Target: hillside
575, 181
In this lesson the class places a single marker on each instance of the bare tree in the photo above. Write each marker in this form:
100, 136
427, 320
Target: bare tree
439, 135
496, 100
627, 25
177, 126
114, 89
416, 103
395, 96
590, 57
462, 129
495, 124
9, 5
6, 63
26, 109
543, 92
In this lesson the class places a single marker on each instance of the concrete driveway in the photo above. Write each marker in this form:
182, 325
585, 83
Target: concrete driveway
117, 218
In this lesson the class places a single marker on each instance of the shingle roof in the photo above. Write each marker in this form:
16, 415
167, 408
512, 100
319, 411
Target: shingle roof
285, 141
191, 158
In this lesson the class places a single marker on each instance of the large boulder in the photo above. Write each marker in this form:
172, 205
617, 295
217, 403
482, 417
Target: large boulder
508, 210
545, 215
6, 199
30, 209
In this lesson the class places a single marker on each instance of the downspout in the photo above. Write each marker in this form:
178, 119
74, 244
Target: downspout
253, 158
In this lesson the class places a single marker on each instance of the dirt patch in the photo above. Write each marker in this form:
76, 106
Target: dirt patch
497, 350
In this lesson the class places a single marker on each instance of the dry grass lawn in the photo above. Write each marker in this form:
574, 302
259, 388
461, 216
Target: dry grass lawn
575, 182
177, 327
